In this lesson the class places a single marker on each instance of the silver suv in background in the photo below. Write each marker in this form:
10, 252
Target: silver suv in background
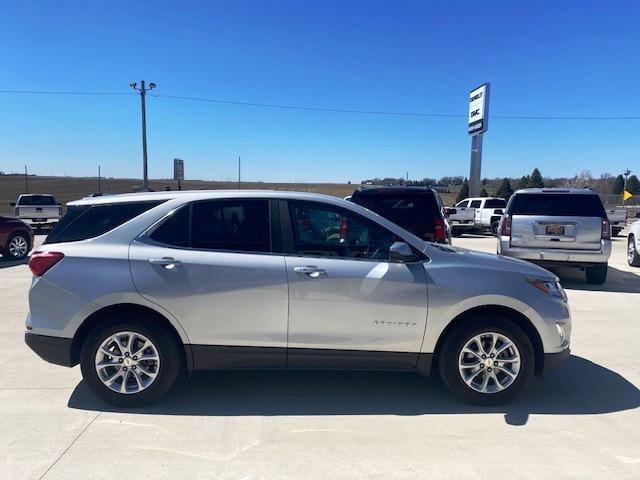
558, 227
143, 288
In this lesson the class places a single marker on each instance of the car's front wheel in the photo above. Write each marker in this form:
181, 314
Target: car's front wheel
487, 361
129, 364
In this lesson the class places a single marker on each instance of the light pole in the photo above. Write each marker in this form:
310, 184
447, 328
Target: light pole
143, 93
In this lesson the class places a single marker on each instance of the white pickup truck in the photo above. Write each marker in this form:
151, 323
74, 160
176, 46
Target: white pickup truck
618, 219
476, 215
38, 210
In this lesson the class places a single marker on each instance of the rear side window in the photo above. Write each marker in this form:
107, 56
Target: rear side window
88, 221
495, 203
475, 203
27, 200
557, 205
235, 225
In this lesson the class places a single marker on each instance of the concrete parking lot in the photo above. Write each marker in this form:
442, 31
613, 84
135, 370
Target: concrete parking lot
581, 422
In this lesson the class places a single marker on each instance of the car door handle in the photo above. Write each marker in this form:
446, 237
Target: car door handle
166, 262
310, 270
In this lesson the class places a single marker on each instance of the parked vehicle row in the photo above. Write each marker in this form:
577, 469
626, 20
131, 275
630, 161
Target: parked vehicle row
276, 280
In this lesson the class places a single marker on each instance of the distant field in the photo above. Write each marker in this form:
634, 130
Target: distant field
67, 189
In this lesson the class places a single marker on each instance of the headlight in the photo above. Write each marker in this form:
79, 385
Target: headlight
551, 287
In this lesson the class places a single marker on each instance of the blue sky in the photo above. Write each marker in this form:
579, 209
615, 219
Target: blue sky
542, 58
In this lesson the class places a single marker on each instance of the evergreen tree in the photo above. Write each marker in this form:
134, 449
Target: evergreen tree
505, 190
633, 185
464, 192
535, 180
618, 186
483, 193
523, 182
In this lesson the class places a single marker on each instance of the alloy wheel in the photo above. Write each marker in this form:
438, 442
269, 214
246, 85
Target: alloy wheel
489, 362
18, 247
127, 362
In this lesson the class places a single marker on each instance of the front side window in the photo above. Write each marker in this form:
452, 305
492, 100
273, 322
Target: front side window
236, 225
464, 203
324, 231
175, 229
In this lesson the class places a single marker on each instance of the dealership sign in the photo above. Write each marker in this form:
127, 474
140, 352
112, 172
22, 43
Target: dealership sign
178, 169
479, 110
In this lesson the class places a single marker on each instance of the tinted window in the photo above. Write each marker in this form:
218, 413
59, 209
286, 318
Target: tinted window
174, 230
85, 222
37, 200
236, 225
415, 212
475, 203
557, 204
320, 230
464, 203
495, 203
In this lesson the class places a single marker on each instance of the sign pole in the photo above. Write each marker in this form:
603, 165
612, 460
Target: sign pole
476, 165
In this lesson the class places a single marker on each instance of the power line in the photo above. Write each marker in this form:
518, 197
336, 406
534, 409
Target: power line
338, 110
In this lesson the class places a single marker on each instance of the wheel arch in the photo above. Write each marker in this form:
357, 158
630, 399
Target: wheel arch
97, 317
21, 231
515, 316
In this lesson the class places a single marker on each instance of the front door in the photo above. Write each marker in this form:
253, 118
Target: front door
349, 307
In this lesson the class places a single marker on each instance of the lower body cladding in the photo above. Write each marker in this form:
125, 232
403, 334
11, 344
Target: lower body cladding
59, 351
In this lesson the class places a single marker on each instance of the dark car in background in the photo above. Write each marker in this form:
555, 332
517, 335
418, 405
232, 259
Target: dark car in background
416, 209
16, 238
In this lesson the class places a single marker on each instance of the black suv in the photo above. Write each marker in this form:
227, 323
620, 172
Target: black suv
417, 209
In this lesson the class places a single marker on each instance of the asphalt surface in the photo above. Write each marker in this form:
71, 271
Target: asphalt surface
581, 422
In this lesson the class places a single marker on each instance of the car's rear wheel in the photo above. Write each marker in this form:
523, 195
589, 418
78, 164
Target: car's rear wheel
632, 253
494, 228
597, 274
17, 247
130, 363
615, 231
487, 361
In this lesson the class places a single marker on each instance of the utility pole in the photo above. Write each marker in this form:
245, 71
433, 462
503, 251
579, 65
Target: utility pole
143, 94
626, 174
99, 179
26, 180
239, 173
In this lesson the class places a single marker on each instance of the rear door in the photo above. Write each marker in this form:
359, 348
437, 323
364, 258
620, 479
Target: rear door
348, 305
213, 265
556, 221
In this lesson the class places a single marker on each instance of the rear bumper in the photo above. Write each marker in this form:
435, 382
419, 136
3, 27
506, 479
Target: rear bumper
44, 221
55, 350
556, 256
553, 360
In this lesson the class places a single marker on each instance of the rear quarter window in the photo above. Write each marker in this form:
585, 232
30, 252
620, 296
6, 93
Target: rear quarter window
557, 205
495, 203
89, 221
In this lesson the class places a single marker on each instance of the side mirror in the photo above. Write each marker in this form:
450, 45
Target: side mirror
13, 204
400, 252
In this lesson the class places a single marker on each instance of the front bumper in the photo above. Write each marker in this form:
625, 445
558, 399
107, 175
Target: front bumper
553, 360
55, 350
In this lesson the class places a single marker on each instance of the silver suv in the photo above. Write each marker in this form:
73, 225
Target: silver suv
558, 227
141, 289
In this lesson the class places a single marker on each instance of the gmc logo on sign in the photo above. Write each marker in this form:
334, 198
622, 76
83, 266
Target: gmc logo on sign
475, 112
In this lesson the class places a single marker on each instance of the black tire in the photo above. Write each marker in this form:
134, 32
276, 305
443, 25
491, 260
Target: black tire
597, 274
169, 352
456, 232
615, 232
632, 258
494, 228
447, 359
7, 255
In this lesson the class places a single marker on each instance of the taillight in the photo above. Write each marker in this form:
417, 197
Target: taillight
606, 229
440, 235
344, 229
60, 211
17, 212
505, 228
41, 262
